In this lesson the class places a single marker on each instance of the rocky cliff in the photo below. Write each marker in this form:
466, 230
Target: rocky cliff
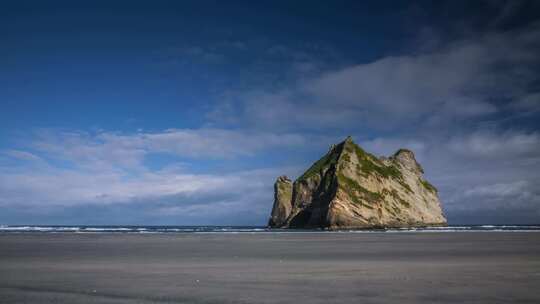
283, 189
350, 188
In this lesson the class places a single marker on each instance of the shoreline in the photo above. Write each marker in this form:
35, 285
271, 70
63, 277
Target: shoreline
466, 267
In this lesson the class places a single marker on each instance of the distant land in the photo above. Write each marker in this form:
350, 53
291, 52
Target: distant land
351, 188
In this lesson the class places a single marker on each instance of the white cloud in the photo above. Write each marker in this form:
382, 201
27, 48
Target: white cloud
463, 80
502, 189
109, 169
492, 144
22, 155
108, 150
505, 199
75, 187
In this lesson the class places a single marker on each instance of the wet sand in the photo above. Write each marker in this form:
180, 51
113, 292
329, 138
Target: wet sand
270, 268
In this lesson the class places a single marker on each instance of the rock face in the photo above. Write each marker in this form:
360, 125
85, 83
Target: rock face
283, 189
350, 188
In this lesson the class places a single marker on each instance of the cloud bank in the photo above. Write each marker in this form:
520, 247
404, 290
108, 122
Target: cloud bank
77, 169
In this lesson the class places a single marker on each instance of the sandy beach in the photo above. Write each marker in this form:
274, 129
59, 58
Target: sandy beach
270, 268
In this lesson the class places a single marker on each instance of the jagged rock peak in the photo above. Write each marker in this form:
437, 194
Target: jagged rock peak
351, 188
406, 157
282, 201
283, 179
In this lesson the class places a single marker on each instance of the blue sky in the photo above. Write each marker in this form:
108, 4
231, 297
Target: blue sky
185, 112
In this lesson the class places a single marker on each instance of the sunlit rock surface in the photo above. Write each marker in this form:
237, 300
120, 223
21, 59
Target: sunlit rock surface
351, 188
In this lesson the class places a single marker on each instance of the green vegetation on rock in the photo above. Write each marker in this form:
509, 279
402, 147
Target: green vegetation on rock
284, 190
358, 193
369, 164
398, 198
395, 195
326, 162
404, 185
428, 186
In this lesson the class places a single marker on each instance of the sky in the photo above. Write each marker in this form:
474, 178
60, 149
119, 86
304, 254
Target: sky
185, 112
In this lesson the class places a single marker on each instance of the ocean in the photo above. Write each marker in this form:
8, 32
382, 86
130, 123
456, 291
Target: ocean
250, 229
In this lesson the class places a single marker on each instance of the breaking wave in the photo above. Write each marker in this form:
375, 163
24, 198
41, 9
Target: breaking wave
251, 229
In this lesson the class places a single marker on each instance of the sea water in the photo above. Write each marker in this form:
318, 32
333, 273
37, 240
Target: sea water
251, 229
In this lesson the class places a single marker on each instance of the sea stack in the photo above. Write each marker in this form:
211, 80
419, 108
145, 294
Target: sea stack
350, 188
283, 189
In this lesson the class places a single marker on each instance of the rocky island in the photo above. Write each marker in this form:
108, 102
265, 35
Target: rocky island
351, 188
